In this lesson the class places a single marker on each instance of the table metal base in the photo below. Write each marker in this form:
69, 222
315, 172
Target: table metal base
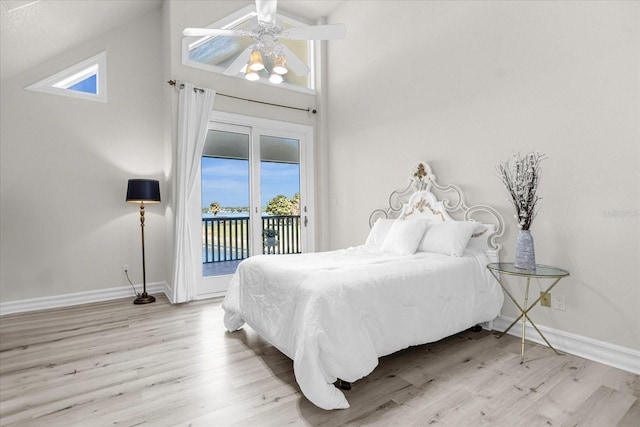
495, 270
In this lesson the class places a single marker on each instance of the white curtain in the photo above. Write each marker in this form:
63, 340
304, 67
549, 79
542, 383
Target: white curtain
194, 109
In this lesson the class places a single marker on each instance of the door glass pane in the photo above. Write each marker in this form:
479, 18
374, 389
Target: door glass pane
225, 202
280, 194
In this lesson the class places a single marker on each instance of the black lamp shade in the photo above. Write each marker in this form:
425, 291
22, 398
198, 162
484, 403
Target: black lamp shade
143, 191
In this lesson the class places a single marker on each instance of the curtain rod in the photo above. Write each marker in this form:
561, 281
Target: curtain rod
308, 110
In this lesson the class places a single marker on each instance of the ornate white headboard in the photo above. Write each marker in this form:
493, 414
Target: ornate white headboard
451, 199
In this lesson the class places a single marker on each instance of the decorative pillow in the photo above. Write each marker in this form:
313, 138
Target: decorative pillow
404, 236
379, 232
480, 235
448, 237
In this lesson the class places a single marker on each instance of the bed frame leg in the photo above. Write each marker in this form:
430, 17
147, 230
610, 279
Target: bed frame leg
476, 328
343, 385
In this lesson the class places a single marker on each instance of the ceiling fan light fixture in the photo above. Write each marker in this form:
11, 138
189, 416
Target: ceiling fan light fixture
251, 75
275, 78
255, 62
280, 65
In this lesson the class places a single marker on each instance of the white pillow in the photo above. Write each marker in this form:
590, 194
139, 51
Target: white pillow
479, 237
379, 232
448, 237
404, 236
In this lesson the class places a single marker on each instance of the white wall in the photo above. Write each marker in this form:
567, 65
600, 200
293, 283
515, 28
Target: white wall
65, 163
464, 85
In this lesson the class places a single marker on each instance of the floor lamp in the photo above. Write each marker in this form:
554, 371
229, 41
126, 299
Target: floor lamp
143, 191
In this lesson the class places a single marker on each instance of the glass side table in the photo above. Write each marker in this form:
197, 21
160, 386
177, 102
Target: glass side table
541, 272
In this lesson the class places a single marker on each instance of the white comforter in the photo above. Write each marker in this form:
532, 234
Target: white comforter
335, 313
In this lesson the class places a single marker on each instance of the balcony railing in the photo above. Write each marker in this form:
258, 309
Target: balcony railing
227, 239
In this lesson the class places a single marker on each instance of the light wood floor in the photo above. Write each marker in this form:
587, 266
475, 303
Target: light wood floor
115, 363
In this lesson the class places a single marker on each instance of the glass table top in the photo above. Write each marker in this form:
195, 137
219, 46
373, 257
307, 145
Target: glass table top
540, 271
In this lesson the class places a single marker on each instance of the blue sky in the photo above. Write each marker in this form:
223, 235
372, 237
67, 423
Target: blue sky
88, 85
226, 181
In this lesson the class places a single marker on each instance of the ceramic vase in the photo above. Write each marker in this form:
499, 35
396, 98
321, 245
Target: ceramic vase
525, 253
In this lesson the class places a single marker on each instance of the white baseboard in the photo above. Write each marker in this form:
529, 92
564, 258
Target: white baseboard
77, 298
210, 295
168, 291
588, 348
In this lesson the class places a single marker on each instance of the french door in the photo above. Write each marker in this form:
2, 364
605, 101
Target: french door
256, 192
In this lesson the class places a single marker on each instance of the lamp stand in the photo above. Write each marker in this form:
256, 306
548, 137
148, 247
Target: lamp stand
143, 298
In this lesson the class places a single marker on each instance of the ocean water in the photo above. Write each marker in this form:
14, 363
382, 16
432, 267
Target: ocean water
229, 215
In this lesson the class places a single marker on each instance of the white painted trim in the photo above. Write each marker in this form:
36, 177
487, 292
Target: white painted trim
253, 127
76, 298
217, 294
168, 291
588, 348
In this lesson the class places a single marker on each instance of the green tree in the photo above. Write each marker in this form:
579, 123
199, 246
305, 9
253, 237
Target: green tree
295, 204
279, 205
214, 208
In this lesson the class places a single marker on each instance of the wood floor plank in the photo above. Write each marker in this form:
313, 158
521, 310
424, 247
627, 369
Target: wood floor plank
605, 407
632, 417
114, 363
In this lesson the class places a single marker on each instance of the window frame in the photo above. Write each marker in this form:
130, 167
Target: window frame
212, 286
59, 83
248, 12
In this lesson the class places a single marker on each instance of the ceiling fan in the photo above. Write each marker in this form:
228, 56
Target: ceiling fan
267, 30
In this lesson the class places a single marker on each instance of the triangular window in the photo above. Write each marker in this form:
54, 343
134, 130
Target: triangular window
86, 80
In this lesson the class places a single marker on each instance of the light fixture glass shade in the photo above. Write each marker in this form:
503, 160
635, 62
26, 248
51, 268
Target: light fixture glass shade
251, 75
143, 191
255, 62
280, 65
275, 78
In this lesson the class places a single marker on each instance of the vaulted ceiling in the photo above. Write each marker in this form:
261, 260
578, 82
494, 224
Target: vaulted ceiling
32, 32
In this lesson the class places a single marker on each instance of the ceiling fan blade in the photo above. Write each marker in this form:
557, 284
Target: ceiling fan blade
317, 32
266, 10
208, 32
294, 63
239, 62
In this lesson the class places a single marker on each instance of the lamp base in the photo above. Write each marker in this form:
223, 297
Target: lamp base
144, 298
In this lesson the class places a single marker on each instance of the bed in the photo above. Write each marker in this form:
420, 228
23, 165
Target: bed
419, 277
